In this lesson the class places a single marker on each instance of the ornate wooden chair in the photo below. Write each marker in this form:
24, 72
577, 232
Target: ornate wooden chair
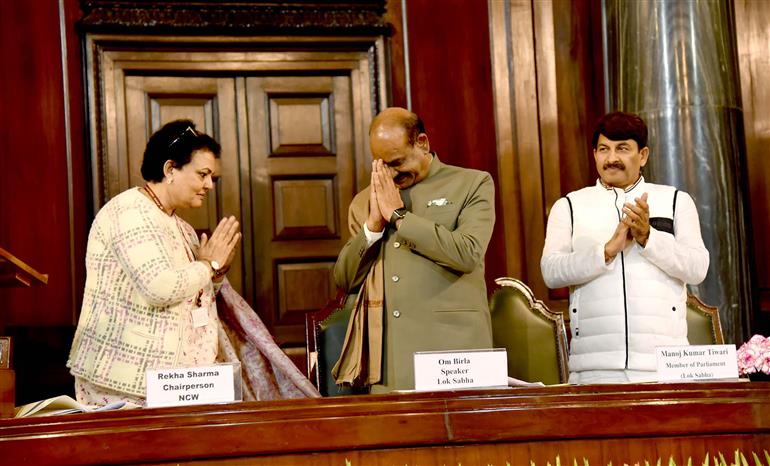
534, 336
324, 336
703, 324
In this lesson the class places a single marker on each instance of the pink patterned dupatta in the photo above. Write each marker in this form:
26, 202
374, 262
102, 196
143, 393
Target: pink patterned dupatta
268, 374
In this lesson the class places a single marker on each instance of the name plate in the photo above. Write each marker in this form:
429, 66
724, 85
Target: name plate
450, 370
696, 362
218, 383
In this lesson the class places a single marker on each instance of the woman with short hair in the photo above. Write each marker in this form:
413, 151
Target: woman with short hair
151, 285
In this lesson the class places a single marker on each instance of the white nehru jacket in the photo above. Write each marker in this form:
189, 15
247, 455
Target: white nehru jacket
619, 312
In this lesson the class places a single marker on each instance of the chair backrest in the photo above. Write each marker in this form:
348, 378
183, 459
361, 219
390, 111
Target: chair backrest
533, 335
703, 324
324, 335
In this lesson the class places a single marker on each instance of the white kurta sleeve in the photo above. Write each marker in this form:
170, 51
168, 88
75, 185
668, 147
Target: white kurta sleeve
372, 236
682, 255
560, 265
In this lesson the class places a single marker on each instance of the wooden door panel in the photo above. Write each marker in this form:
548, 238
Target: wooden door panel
151, 102
301, 155
305, 208
300, 125
302, 288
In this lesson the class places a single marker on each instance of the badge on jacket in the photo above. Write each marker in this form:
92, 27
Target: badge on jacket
438, 202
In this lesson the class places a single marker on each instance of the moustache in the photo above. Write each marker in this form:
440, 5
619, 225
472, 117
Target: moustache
619, 165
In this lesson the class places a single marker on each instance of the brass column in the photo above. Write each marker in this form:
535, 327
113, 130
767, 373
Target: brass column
674, 62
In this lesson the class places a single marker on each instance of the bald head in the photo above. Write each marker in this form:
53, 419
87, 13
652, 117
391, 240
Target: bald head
397, 137
396, 118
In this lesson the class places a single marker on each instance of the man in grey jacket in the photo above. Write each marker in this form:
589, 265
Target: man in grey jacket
419, 234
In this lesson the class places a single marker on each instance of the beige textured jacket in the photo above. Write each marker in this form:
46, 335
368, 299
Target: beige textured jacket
435, 294
140, 289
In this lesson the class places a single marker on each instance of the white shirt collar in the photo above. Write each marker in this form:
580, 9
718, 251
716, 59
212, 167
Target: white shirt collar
637, 186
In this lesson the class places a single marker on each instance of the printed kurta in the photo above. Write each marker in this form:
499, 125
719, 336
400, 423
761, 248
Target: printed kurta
142, 284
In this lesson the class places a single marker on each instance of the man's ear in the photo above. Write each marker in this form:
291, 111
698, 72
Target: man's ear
643, 154
422, 142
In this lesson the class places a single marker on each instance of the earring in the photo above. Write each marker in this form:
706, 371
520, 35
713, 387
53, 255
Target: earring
169, 180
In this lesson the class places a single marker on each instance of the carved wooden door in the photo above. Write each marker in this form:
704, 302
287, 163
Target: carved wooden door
293, 128
298, 177
302, 181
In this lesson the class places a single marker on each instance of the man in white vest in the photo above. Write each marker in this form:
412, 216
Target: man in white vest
626, 248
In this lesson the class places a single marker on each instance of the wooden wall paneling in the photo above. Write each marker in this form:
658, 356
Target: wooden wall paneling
35, 207
451, 89
43, 207
367, 106
107, 126
94, 66
396, 54
248, 212
752, 20
451, 79
578, 69
256, 116
228, 188
547, 102
40, 357
509, 191
545, 83
570, 92
350, 92
358, 138
580, 92
79, 180
514, 28
375, 73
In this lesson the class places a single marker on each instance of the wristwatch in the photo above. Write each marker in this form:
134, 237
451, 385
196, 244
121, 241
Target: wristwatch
397, 214
215, 267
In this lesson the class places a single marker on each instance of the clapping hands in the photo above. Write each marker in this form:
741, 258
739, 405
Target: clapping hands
634, 225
